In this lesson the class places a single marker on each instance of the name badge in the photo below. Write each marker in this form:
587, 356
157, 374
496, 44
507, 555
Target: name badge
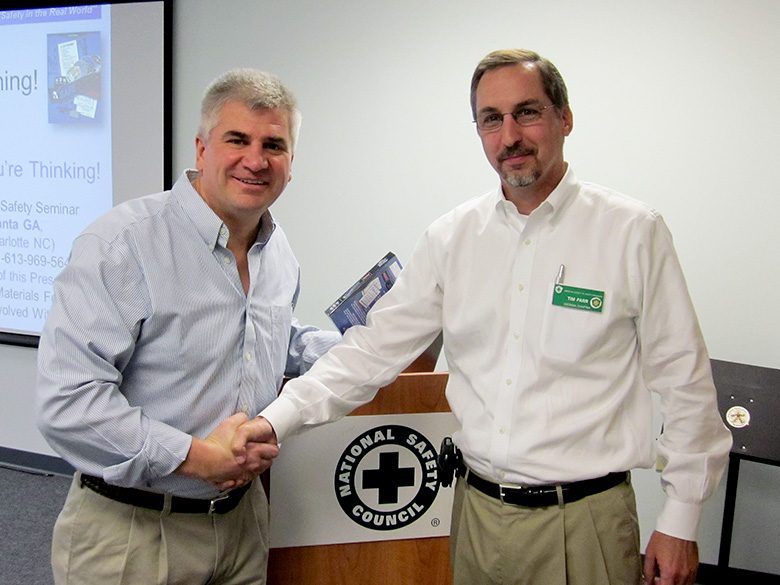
572, 297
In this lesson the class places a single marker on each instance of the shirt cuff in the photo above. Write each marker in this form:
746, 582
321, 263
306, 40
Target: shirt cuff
679, 519
164, 450
283, 416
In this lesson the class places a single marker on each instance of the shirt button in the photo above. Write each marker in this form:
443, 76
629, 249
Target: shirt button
248, 357
516, 335
520, 288
527, 242
509, 381
226, 261
501, 431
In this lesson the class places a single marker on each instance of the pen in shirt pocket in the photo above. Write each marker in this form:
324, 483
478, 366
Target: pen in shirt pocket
561, 273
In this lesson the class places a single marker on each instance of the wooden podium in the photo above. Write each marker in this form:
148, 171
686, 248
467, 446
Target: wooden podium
422, 561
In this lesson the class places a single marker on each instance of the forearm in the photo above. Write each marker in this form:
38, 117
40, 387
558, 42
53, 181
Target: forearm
91, 424
114, 441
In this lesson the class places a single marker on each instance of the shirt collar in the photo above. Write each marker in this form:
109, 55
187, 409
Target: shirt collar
211, 228
563, 192
555, 202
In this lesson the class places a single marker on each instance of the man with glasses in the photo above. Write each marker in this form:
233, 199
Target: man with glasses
563, 308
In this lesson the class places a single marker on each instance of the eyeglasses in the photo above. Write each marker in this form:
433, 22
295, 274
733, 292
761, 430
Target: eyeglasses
523, 115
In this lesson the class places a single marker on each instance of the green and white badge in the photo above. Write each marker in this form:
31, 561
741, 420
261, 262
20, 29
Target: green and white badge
584, 299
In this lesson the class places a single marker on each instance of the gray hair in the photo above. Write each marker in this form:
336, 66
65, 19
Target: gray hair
552, 80
257, 90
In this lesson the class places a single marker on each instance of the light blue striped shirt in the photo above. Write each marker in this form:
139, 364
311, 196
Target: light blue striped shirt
151, 339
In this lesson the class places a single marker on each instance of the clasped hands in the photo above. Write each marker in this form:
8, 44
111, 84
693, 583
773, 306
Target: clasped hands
234, 454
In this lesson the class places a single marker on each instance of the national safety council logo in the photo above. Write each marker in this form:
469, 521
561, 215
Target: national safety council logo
387, 477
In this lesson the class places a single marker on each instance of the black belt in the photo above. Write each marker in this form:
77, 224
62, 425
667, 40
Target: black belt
544, 495
222, 504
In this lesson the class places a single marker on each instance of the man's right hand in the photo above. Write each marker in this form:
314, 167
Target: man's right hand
213, 460
250, 437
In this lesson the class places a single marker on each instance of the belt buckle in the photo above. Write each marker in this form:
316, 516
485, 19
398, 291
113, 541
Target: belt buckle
501, 489
213, 502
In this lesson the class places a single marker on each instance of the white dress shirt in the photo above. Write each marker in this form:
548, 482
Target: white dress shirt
544, 393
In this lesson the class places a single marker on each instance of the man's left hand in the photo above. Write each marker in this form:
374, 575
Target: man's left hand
670, 560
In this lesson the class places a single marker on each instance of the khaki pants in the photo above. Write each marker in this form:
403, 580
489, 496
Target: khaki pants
594, 541
100, 541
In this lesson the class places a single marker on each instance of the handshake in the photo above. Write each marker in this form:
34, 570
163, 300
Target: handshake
235, 452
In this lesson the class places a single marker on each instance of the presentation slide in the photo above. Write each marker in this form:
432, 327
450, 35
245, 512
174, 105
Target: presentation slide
56, 169
55, 159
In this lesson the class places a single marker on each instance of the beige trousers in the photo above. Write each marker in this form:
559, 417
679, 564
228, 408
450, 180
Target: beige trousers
99, 541
594, 541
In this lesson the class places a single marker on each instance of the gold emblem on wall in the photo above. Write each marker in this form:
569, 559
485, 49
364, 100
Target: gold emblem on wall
738, 417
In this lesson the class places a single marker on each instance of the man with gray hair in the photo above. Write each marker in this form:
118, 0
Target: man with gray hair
563, 308
171, 325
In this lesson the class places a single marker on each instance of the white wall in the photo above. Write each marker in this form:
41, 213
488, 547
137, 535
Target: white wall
674, 104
